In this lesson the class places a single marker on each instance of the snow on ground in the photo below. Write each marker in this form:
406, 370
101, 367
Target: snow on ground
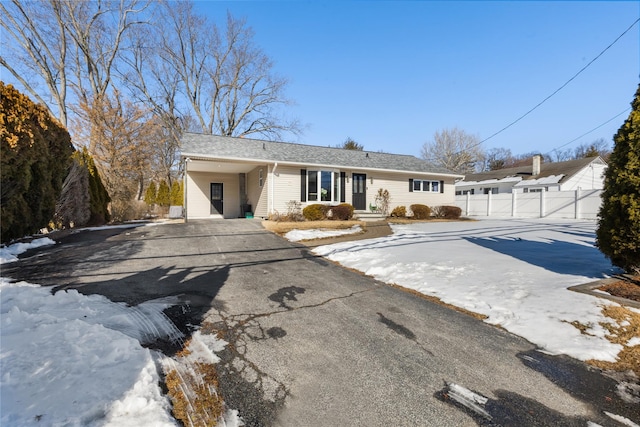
75, 360
514, 271
10, 253
298, 235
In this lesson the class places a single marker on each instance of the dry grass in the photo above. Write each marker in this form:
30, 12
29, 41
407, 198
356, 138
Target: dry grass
439, 301
415, 221
627, 287
626, 326
194, 393
285, 227
282, 227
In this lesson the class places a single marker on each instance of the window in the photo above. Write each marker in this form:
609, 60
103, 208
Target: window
323, 186
427, 186
493, 190
260, 178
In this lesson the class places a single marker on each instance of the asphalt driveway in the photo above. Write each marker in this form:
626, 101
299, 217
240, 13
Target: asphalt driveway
314, 344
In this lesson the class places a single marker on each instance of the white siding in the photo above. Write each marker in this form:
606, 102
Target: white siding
398, 187
282, 185
257, 195
589, 178
198, 192
286, 187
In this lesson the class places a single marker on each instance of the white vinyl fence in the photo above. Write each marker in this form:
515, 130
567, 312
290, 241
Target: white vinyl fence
578, 204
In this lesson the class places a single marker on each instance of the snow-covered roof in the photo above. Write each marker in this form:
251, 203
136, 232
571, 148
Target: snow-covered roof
489, 182
546, 180
557, 172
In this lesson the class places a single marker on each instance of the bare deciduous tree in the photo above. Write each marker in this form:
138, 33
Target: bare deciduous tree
498, 158
226, 81
39, 54
455, 150
124, 132
600, 147
58, 39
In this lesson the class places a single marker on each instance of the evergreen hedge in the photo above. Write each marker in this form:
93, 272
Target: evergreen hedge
35, 156
618, 233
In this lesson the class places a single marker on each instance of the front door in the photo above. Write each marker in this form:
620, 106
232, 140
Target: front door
359, 191
216, 198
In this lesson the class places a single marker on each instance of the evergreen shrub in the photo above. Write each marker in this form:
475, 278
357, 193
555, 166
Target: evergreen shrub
315, 212
399, 212
35, 157
447, 212
342, 212
618, 232
420, 211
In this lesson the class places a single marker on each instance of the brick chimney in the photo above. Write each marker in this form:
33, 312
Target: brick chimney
537, 159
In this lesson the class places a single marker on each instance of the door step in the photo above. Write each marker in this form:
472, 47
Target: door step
368, 216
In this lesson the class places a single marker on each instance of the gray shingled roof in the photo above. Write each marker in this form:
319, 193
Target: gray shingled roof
568, 169
224, 147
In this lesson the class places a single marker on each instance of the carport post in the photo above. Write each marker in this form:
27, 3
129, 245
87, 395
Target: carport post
184, 188
514, 202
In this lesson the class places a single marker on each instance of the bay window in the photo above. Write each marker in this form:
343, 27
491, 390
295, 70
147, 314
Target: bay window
323, 186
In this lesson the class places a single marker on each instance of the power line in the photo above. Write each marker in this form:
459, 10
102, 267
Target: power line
562, 87
587, 133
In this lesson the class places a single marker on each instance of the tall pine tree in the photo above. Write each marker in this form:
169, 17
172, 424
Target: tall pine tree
618, 234
177, 194
163, 198
150, 194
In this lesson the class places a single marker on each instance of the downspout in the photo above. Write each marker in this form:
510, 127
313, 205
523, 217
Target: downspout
271, 192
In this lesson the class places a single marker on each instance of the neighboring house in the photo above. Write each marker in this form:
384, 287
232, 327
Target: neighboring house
226, 177
586, 174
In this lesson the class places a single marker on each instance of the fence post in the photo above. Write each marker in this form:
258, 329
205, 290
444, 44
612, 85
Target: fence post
577, 203
542, 203
468, 203
514, 202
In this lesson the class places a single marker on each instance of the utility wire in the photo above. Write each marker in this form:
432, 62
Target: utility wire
555, 92
561, 87
587, 133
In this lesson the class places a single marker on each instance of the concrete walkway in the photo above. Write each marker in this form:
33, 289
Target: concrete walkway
312, 343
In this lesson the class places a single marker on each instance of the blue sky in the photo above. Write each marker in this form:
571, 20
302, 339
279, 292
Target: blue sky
391, 74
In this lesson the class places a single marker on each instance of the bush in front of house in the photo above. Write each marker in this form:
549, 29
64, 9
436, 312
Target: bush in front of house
315, 212
618, 233
342, 212
420, 211
399, 212
447, 212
